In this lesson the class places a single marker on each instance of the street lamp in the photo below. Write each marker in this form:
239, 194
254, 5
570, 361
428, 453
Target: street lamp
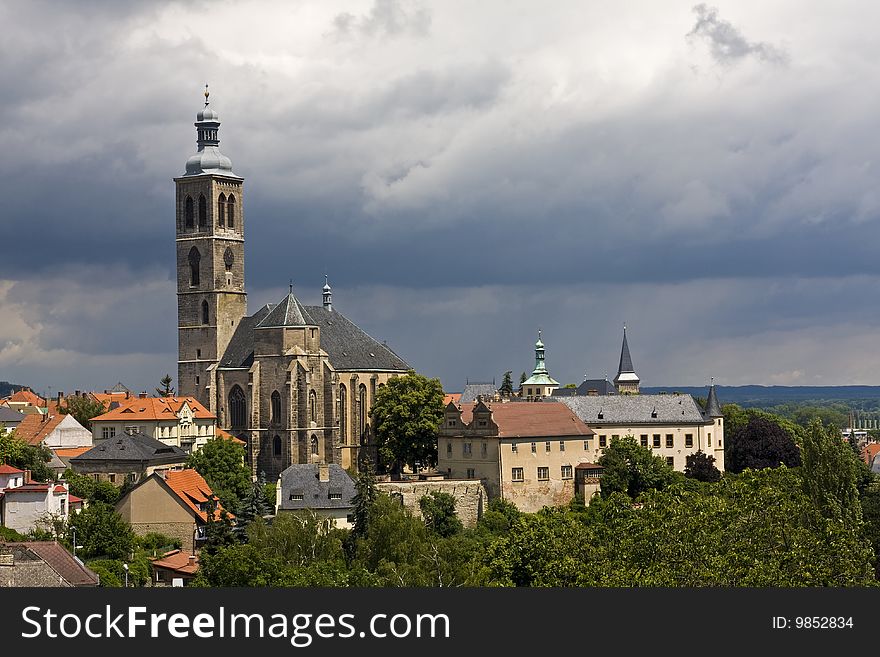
75, 546
125, 565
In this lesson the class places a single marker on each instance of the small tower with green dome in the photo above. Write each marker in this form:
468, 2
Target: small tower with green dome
540, 384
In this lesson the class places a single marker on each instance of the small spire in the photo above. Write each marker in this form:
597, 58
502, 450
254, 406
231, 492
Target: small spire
290, 286
207, 93
327, 294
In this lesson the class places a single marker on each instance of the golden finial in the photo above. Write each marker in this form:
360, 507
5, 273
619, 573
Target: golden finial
207, 93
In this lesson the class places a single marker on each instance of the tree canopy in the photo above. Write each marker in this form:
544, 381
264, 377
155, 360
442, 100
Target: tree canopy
762, 442
701, 466
221, 463
632, 469
83, 408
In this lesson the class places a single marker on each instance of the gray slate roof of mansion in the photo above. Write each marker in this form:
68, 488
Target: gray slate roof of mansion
302, 479
473, 390
137, 447
634, 409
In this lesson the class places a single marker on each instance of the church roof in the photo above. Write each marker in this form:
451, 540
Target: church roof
634, 409
290, 312
626, 363
240, 351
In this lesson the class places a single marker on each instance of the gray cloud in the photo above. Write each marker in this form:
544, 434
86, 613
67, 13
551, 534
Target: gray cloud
387, 18
728, 44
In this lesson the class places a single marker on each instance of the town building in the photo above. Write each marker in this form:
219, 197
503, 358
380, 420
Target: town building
325, 489
524, 453
10, 418
42, 564
182, 422
53, 429
174, 503
540, 384
33, 505
295, 382
174, 568
10, 477
128, 458
24, 399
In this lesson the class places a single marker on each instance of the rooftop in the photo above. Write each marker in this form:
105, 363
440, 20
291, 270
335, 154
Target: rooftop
531, 420
155, 409
634, 409
302, 481
137, 447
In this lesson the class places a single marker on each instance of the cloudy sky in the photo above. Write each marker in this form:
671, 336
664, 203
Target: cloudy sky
465, 172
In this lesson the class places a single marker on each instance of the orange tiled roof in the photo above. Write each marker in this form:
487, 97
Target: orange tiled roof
34, 428
27, 396
71, 452
8, 469
531, 419
220, 433
451, 397
154, 408
870, 451
193, 490
177, 560
107, 398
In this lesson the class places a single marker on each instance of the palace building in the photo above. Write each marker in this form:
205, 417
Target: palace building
295, 382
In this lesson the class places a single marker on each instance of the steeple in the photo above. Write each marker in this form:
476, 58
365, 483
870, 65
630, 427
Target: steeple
540, 368
540, 384
713, 408
627, 381
208, 159
328, 295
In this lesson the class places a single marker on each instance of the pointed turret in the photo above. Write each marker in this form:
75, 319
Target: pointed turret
328, 294
627, 381
713, 408
540, 384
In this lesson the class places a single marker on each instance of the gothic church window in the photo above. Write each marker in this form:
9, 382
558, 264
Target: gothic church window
314, 445
313, 406
188, 216
205, 312
276, 446
362, 408
342, 414
194, 259
230, 212
221, 210
237, 408
276, 407
203, 212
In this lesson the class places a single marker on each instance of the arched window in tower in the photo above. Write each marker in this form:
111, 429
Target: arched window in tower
313, 406
228, 258
343, 415
237, 408
205, 316
203, 212
194, 259
362, 409
276, 446
230, 212
221, 210
314, 444
188, 214
275, 413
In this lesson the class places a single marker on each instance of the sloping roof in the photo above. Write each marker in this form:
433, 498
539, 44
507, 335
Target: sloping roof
8, 470
540, 379
10, 416
240, 351
137, 447
220, 433
454, 397
531, 420
601, 386
34, 428
626, 363
26, 396
193, 490
473, 390
71, 569
154, 408
70, 452
178, 561
303, 479
870, 451
290, 312
713, 408
350, 347
634, 409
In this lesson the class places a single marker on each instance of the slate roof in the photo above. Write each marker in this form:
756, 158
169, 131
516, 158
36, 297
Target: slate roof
290, 312
137, 447
68, 567
601, 386
10, 416
626, 362
302, 479
713, 408
634, 409
240, 351
564, 392
473, 390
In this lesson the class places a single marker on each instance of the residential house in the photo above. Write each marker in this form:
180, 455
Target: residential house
24, 398
326, 489
42, 563
525, 453
128, 458
10, 418
10, 477
174, 568
173, 503
33, 505
179, 421
54, 430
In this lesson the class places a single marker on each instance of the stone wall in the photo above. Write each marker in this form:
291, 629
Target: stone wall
470, 496
179, 530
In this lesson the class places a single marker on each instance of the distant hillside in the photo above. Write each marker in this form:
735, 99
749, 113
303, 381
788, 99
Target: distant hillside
769, 395
7, 388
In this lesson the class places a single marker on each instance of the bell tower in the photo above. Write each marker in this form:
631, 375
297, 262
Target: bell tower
211, 299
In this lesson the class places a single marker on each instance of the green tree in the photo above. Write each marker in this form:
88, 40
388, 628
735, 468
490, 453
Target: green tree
701, 466
522, 379
761, 443
632, 469
83, 409
165, 390
221, 463
438, 510
830, 474
17, 453
254, 504
219, 530
102, 532
364, 499
406, 416
506, 389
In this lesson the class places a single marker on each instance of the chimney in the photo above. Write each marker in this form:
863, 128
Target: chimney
143, 395
323, 472
127, 394
192, 560
60, 397
27, 476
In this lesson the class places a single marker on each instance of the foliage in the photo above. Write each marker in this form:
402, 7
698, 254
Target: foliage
219, 530
255, 505
165, 390
870, 503
87, 488
10, 535
83, 409
830, 475
18, 454
111, 572
298, 538
506, 388
632, 469
221, 463
762, 442
701, 466
438, 510
406, 415
363, 501
101, 531
156, 543
522, 379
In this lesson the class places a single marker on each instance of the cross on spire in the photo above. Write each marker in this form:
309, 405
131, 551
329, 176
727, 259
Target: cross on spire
207, 93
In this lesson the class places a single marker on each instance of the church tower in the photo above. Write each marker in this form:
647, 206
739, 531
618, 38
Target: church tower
211, 300
627, 381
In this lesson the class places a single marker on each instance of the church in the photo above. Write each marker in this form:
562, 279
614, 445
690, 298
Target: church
295, 382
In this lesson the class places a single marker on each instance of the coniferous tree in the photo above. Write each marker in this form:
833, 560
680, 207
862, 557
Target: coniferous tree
506, 389
166, 390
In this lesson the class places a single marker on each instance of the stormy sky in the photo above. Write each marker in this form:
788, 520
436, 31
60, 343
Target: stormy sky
466, 173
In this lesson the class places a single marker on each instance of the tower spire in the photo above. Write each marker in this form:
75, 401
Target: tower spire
207, 93
627, 381
208, 159
328, 294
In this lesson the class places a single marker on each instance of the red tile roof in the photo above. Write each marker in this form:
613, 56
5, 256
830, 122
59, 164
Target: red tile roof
531, 420
154, 408
34, 428
870, 451
8, 469
451, 397
26, 396
193, 490
220, 433
61, 561
178, 561
70, 452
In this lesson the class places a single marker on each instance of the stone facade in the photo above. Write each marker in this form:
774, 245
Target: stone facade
471, 497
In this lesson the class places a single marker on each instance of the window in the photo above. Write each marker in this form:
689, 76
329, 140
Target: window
205, 315
471, 473
188, 214
709, 439
482, 423
466, 449
314, 445
111, 477
362, 409
484, 448
670, 441
670, 461
237, 408
543, 473
203, 212
451, 423
513, 447
561, 445
197, 380
603, 441
194, 259
228, 259
688, 440
296, 496
221, 207
656, 440
96, 477
534, 448
335, 495
547, 446
516, 474
644, 439
198, 353
276, 446
230, 212
108, 432
313, 406
275, 410
566, 472
132, 429
133, 477
449, 448
343, 414
586, 445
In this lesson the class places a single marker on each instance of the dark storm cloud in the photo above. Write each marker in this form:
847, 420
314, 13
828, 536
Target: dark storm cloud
726, 43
